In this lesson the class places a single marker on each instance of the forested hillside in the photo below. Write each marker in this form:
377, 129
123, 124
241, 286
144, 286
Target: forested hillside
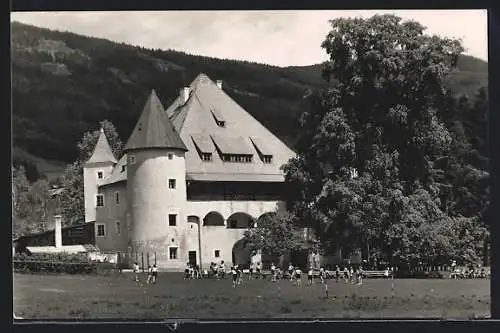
64, 84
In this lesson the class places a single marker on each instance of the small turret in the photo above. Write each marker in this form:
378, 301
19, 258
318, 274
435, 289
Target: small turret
95, 170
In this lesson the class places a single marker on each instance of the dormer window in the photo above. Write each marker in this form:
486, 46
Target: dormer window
219, 120
267, 159
203, 146
237, 158
99, 175
132, 159
207, 157
263, 150
124, 167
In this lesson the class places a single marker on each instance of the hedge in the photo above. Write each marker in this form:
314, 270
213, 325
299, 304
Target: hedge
59, 263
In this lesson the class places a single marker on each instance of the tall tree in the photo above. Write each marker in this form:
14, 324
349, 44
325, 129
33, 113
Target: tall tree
381, 118
275, 235
33, 207
72, 198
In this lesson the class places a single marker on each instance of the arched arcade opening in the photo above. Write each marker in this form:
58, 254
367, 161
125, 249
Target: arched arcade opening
241, 255
213, 219
240, 220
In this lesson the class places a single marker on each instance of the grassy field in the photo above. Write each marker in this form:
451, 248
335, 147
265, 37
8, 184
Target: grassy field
87, 297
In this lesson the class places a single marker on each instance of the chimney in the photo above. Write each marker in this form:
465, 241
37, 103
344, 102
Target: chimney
184, 93
57, 231
219, 84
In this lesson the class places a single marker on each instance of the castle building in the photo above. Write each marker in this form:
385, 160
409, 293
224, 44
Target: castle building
193, 178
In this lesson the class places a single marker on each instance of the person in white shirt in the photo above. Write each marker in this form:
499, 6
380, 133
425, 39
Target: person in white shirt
150, 275
346, 275
298, 276
154, 271
322, 274
234, 274
310, 276
222, 269
136, 272
290, 271
273, 272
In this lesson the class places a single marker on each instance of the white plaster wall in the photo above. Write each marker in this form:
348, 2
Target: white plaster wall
90, 182
109, 215
152, 201
220, 237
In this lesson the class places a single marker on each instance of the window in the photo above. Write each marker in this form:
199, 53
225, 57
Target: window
118, 228
267, 158
217, 253
172, 220
206, 157
171, 183
100, 200
218, 118
99, 175
237, 158
117, 197
172, 253
170, 156
132, 159
124, 167
101, 232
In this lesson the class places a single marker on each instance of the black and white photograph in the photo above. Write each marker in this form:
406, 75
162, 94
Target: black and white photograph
256, 164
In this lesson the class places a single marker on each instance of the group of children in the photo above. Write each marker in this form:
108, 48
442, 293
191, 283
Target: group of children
152, 273
294, 273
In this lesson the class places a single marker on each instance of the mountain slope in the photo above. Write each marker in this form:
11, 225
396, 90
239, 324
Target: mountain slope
64, 84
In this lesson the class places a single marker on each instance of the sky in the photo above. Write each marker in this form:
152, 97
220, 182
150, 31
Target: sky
280, 38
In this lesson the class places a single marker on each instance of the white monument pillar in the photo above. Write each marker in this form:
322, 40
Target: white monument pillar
57, 231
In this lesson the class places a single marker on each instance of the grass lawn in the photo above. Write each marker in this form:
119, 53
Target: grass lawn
65, 296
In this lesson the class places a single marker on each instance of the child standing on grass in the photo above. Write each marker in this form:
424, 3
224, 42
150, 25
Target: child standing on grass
322, 274
234, 274
154, 271
298, 276
273, 272
259, 269
360, 275
150, 275
222, 269
186, 272
310, 276
136, 272
346, 275
290, 271
337, 273
239, 272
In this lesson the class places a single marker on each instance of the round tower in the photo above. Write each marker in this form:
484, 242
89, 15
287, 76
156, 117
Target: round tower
156, 184
95, 170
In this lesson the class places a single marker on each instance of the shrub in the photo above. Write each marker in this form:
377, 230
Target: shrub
55, 263
419, 275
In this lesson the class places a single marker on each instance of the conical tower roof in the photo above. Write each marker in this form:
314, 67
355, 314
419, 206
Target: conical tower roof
102, 151
154, 129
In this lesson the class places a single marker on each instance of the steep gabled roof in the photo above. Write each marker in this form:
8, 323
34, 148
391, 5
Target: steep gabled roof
102, 151
118, 174
195, 121
154, 129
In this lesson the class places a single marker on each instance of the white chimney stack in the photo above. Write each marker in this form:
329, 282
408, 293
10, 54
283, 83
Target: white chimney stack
184, 94
219, 84
57, 231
